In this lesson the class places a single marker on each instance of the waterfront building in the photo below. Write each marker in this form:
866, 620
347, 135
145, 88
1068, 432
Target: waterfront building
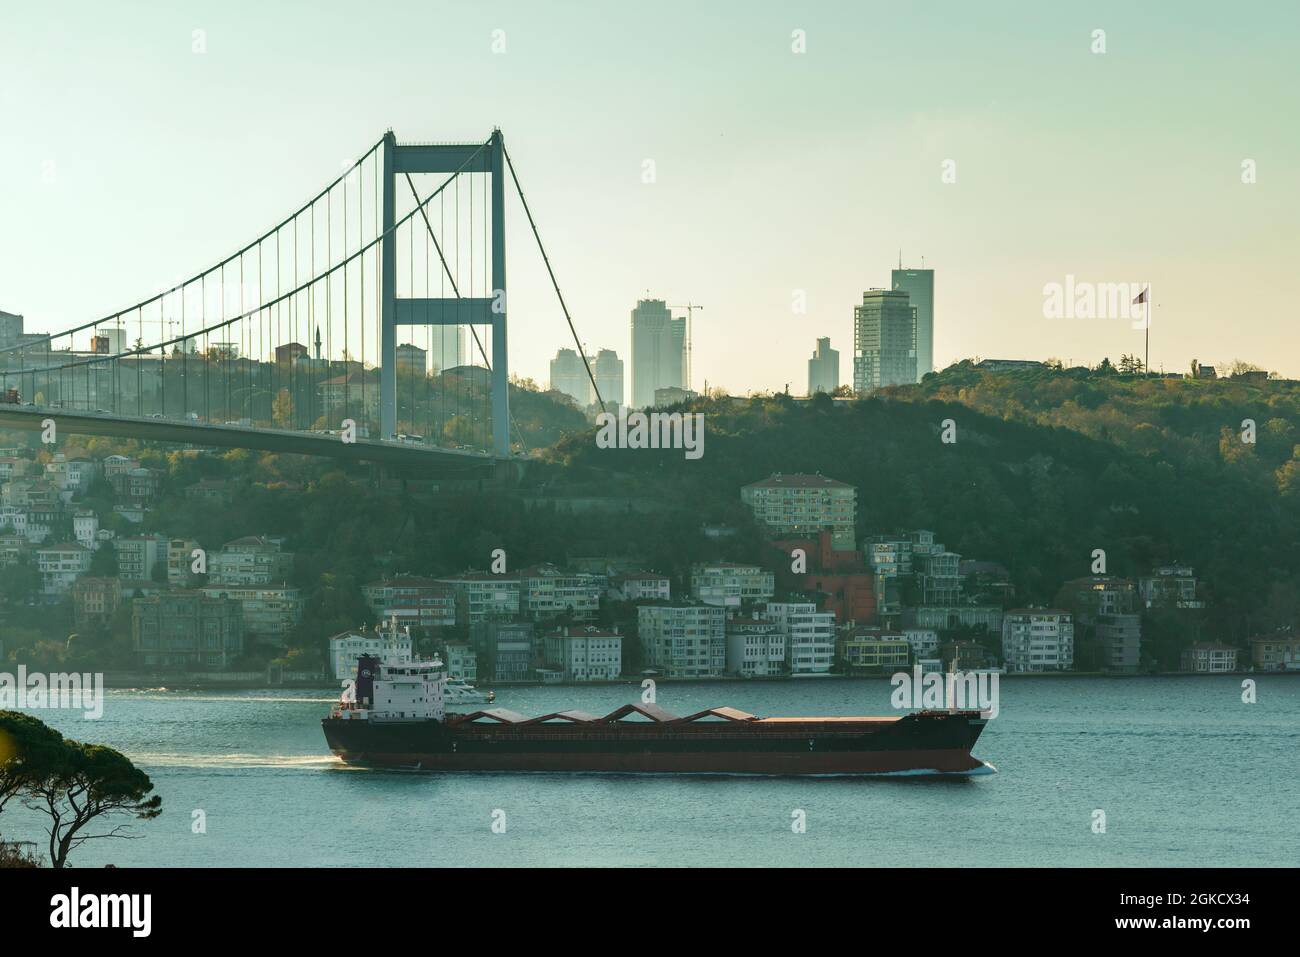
809, 635
872, 650
187, 631
683, 640
1280, 652
1208, 657
1038, 639
387, 644
584, 653
755, 647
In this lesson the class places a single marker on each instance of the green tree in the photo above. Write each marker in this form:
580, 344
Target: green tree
89, 782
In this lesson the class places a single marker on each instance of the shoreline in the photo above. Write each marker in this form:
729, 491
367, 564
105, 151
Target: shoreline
138, 682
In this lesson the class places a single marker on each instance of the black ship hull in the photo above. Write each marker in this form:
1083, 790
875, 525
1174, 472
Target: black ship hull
921, 743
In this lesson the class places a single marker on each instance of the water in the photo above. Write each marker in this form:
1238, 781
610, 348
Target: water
1185, 772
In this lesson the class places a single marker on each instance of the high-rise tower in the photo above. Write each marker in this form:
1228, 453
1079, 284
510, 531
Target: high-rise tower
919, 286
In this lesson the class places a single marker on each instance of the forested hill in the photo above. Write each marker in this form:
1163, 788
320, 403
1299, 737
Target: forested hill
1046, 467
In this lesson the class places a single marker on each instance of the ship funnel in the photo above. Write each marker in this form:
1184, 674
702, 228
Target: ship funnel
367, 666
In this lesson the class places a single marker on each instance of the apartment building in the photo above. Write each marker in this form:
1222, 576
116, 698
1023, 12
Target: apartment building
252, 560
60, 565
809, 635
804, 505
546, 591
386, 643
639, 586
873, 650
481, 596
269, 611
584, 654
1038, 639
755, 648
730, 585
137, 555
683, 640
461, 661
421, 602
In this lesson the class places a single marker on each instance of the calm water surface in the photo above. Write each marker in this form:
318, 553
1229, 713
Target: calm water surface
1186, 774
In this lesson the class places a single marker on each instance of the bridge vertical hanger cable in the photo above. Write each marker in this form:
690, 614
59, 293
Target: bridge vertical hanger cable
446, 274
551, 273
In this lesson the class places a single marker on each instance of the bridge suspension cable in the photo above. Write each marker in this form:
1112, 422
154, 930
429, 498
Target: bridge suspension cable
197, 277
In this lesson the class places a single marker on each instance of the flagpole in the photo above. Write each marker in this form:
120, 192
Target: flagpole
1147, 361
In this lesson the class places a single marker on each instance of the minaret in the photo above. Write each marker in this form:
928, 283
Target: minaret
318, 343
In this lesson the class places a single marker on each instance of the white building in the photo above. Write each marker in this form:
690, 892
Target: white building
85, 528
346, 647
251, 560
585, 654
804, 505
924, 642
809, 635
1038, 639
481, 595
731, 585
639, 586
60, 565
461, 661
755, 648
546, 591
683, 641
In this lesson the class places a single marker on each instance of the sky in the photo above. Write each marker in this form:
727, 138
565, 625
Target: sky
127, 159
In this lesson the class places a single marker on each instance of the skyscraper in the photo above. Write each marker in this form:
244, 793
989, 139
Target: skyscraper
569, 375
608, 370
884, 340
824, 368
658, 351
919, 286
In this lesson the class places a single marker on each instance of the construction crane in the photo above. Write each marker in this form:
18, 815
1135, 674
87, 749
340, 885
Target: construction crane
690, 308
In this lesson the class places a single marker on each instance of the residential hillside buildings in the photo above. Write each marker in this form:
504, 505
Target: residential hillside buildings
731, 585
411, 600
803, 505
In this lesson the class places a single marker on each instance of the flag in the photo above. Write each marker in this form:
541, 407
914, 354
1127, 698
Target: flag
1142, 296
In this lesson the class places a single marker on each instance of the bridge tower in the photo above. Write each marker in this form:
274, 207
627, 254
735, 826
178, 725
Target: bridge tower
400, 160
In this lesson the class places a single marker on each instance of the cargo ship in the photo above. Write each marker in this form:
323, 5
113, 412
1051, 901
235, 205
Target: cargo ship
395, 716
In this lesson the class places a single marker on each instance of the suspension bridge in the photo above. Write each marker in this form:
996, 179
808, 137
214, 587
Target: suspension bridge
370, 323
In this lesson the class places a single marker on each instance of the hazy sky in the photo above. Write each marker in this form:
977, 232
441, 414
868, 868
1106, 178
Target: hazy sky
776, 171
